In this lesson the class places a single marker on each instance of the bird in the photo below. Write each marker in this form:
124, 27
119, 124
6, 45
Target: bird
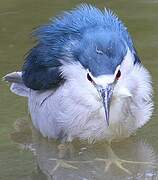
84, 79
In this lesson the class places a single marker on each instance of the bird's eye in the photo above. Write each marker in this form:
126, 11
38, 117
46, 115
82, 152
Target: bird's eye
118, 74
89, 78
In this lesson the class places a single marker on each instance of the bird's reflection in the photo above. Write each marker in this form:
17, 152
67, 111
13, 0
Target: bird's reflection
80, 160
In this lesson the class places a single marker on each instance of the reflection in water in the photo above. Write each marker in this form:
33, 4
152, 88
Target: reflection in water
80, 158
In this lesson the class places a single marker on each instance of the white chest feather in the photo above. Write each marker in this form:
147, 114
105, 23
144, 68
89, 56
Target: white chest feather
74, 110
71, 113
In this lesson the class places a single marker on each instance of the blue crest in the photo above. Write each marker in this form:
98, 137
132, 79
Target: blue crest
98, 40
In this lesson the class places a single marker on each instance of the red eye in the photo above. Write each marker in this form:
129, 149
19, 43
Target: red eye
118, 74
89, 77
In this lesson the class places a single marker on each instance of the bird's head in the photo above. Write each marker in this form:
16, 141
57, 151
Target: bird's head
102, 61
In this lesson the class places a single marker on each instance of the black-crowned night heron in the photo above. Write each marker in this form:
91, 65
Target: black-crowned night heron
83, 79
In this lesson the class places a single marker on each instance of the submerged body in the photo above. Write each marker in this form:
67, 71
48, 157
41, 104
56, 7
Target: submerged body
63, 97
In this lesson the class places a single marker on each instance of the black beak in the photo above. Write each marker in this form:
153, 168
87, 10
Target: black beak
106, 94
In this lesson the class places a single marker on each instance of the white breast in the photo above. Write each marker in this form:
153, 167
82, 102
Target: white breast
75, 111
72, 112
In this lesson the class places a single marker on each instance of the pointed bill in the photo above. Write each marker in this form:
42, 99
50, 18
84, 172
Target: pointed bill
106, 94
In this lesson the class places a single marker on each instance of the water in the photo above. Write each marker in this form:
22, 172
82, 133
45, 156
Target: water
24, 155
